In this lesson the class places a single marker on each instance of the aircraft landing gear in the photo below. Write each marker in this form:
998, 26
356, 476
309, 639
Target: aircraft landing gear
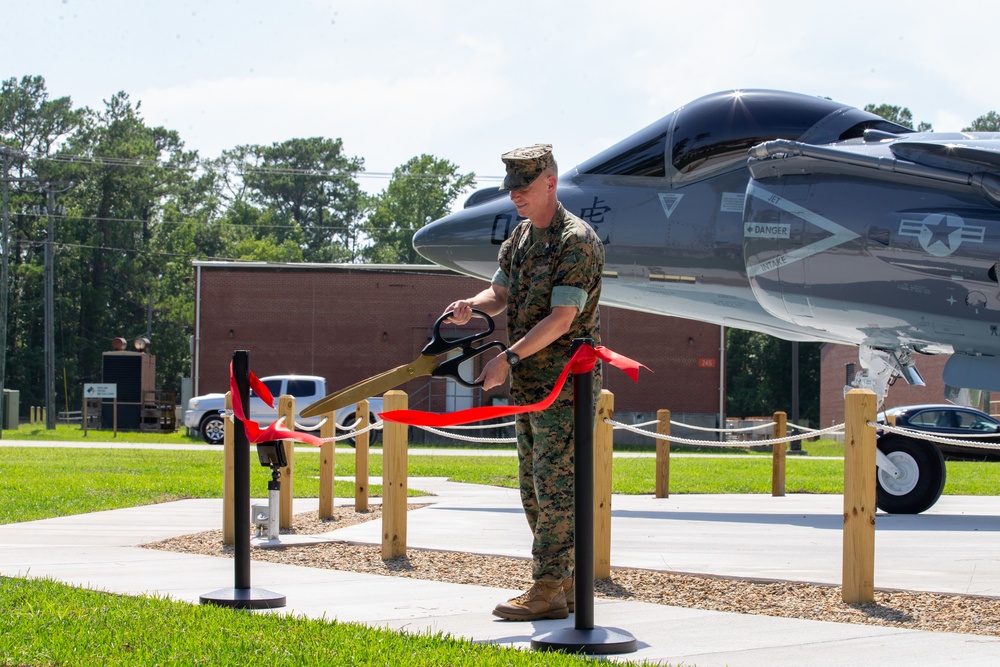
914, 477
879, 368
911, 473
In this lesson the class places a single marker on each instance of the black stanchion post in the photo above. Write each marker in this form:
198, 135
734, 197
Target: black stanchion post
583, 637
241, 595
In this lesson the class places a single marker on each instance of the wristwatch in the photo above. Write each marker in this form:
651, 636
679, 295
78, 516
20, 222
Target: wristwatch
512, 359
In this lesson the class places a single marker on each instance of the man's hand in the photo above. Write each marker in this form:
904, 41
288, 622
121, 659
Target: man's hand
462, 312
495, 372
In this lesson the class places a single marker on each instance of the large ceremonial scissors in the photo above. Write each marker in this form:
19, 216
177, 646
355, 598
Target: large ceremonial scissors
425, 364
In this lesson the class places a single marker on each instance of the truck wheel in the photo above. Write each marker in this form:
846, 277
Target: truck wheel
374, 436
921, 476
213, 429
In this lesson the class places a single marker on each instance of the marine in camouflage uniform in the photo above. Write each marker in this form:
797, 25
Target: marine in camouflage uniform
548, 282
539, 268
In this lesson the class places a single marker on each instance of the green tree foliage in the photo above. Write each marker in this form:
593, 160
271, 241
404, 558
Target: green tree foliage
310, 186
759, 376
422, 190
32, 123
900, 115
988, 122
134, 208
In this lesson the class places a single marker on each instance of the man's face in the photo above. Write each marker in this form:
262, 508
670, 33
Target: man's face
531, 200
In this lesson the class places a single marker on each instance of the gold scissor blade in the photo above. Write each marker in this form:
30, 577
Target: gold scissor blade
373, 386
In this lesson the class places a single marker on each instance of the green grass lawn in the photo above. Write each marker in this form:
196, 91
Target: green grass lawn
48, 482
47, 623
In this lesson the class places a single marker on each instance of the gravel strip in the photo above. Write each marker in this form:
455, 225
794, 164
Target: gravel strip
900, 609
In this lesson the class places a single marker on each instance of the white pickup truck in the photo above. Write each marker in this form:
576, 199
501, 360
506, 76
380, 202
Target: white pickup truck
204, 415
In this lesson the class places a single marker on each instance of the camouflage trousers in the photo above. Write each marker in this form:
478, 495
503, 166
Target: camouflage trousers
545, 470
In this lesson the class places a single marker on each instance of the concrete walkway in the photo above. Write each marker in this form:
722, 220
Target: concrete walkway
954, 547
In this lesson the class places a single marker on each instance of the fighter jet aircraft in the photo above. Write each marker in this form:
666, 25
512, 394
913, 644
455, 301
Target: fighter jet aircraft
792, 215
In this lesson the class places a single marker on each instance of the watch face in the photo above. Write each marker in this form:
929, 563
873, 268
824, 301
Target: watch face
512, 358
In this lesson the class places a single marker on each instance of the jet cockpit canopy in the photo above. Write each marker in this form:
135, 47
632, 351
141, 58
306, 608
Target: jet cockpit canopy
714, 133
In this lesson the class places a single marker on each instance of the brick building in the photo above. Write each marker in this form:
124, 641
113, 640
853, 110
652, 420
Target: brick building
349, 322
838, 363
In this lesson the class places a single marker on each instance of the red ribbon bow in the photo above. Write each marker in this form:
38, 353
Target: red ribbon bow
277, 430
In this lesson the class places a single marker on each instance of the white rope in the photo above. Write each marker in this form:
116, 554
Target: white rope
467, 438
713, 443
813, 430
300, 427
710, 429
475, 426
376, 426
722, 430
964, 441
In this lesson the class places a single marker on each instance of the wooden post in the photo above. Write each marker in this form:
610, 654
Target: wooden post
286, 410
778, 455
394, 479
228, 475
663, 455
361, 458
603, 463
327, 467
859, 497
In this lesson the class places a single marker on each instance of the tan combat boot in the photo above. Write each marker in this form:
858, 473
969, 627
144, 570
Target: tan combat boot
545, 599
569, 589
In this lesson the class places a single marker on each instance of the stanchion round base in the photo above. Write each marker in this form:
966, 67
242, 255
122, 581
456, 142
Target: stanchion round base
597, 641
244, 598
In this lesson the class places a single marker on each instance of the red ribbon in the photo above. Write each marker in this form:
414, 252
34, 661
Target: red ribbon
582, 361
277, 430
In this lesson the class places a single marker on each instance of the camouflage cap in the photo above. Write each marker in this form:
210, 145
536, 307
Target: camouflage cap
524, 165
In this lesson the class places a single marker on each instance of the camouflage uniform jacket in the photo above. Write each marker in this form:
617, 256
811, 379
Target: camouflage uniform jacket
567, 253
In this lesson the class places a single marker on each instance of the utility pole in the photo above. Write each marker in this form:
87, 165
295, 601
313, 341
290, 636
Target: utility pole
8, 157
50, 188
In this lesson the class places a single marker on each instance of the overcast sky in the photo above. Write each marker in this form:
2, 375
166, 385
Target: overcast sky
466, 80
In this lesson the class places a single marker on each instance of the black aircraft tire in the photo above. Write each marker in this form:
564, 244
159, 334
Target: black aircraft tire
922, 476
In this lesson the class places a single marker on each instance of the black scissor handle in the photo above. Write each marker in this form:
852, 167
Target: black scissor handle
439, 345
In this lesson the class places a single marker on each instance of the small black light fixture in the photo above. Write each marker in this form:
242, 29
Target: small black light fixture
690, 340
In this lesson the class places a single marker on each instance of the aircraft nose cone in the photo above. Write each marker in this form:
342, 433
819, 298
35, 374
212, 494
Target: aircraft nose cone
467, 241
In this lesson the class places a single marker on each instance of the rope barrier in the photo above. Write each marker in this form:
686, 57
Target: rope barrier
300, 427
713, 443
963, 441
970, 440
715, 430
468, 438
